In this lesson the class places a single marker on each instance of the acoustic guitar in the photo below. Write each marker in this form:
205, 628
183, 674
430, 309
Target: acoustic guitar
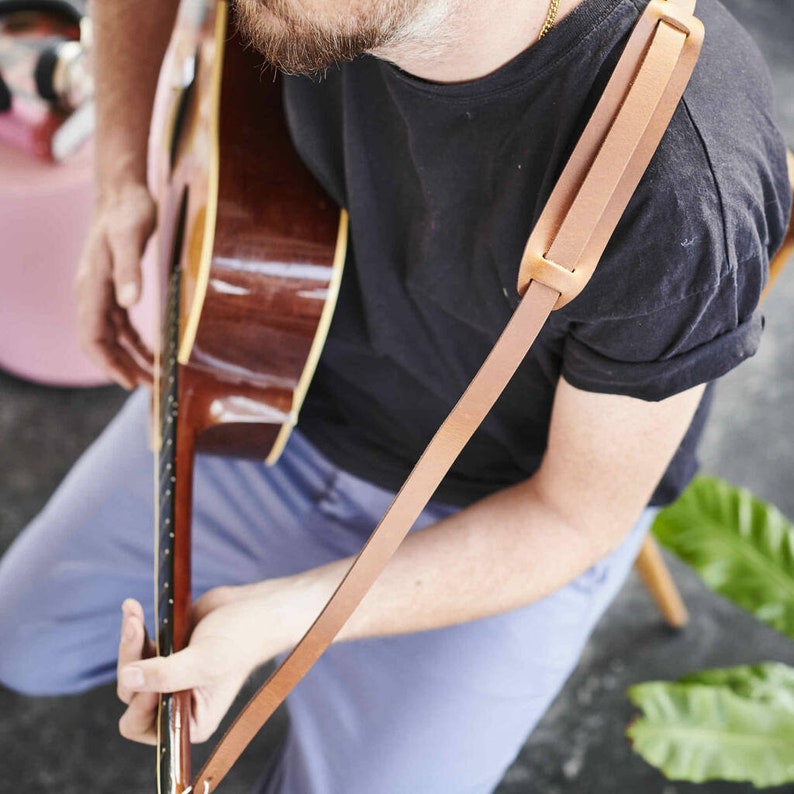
251, 252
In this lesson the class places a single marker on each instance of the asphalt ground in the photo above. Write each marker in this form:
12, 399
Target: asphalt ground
69, 745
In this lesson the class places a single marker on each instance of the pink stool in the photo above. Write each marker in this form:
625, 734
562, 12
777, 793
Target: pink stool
45, 211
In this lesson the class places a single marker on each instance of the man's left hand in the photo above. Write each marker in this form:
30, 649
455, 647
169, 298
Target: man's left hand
232, 634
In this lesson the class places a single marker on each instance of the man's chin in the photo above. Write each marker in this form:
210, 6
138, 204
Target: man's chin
282, 43
298, 46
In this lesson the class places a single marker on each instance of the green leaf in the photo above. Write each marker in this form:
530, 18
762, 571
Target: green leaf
742, 547
771, 683
696, 732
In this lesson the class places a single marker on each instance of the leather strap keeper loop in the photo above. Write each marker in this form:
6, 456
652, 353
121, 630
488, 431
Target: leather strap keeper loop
673, 15
569, 283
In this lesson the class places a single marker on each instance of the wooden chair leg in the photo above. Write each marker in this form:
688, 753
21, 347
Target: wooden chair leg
657, 579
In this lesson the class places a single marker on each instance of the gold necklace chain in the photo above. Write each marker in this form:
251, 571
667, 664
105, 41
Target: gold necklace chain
551, 15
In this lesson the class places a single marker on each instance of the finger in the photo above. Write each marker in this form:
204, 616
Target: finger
127, 243
130, 362
116, 365
133, 608
95, 302
187, 669
106, 347
131, 643
129, 336
132, 612
138, 721
120, 367
130, 343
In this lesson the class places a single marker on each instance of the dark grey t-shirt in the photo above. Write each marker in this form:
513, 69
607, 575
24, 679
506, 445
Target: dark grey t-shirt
443, 184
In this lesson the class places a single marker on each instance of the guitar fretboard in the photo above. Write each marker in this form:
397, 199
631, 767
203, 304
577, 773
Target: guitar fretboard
167, 463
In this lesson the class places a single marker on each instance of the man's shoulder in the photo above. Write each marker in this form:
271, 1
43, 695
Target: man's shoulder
716, 196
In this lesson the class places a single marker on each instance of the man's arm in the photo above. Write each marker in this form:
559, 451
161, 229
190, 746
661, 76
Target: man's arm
130, 41
605, 456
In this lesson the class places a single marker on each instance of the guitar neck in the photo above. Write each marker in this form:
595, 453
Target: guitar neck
172, 563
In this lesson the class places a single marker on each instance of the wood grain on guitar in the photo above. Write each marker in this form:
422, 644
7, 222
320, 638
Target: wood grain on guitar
251, 251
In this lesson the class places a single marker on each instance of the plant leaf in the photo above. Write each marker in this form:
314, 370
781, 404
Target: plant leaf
771, 683
742, 547
696, 732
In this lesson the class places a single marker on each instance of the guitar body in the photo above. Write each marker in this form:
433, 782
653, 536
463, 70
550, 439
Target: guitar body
251, 253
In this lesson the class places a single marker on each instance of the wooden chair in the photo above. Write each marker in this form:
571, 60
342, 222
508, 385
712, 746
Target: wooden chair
650, 565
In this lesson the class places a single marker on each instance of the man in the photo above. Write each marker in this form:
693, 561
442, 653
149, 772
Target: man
443, 138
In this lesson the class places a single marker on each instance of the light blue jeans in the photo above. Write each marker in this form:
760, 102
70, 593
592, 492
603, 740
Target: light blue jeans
430, 713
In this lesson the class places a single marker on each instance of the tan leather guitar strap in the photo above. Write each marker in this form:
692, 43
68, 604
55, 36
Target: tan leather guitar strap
560, 257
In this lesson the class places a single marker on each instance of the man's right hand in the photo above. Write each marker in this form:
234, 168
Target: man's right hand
109, 283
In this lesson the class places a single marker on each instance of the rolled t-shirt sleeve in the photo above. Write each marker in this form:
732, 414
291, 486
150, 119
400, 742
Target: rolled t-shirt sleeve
653, 355
673, 302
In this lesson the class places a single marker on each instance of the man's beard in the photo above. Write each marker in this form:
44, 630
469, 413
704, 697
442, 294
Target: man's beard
298, 44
